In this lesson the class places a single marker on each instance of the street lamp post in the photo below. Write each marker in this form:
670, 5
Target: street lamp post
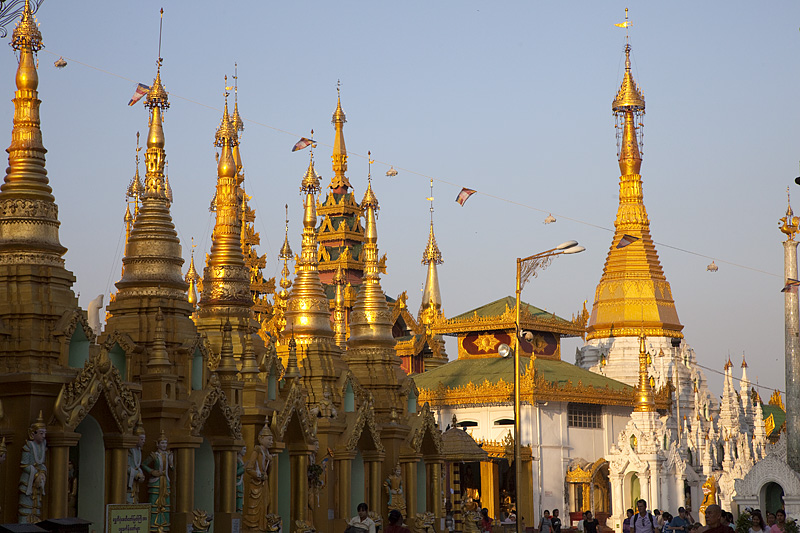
527, 267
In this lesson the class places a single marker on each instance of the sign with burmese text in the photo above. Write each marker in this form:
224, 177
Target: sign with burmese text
124, 518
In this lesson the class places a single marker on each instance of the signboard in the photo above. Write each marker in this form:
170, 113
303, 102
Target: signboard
125, 518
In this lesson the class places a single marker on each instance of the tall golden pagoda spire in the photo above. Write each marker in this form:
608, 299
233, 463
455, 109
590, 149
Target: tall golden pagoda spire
645, 401
431, 256
307, 314
370, 320
153, 259
35, 285
339, 181
633, 291
226, 280
31, 232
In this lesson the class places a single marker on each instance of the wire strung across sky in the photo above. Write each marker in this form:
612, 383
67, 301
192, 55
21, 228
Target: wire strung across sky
428, 177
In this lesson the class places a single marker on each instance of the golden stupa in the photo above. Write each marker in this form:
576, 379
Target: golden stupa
633, 293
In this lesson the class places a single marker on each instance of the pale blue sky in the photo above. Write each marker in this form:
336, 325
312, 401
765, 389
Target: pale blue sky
510, 98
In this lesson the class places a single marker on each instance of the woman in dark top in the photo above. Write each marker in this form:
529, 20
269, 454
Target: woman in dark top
396, 523
589, 524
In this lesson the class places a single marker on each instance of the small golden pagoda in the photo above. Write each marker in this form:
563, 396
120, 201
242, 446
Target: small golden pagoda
633, 291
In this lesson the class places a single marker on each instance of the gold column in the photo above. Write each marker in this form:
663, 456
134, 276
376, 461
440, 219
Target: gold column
490, 495
455, 479
433, 497
372, 466
55, 503
525, 493
275, 466
225, 483
298, 460
183, 489
116, 475
344, 475
410, 484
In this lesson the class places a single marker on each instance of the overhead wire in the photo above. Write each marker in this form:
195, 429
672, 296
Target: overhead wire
437, 179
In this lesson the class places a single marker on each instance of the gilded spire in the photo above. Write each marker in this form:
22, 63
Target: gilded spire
645, 401
292, 370
153, 258
633, 291
159, 358
191, 278
789, 224
32, 231
226, 282
227, 363
249, 363
339, 313
282, 297
307, 309
370, 320
431, 256
236, 120
339, 157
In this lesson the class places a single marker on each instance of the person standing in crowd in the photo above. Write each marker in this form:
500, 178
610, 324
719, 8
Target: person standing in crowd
589, 524
770, 520
679, 524
757, 524
643, 522
626, 524
714, 520
780, 522
556, 522
363, 522
545, 524
659, 519
396, 523
486, 521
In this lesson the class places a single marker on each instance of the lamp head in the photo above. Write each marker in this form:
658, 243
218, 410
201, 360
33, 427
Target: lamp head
504, 350
574, 249
566, 245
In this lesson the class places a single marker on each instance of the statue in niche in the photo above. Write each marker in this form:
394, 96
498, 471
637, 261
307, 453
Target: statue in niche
72, 490
240, 467
135, 472
395, 490
317, 479
157, 466
34, 473
325, 407
256, 503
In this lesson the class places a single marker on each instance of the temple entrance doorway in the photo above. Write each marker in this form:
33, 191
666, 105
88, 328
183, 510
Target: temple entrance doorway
771, 497
204, 479
88, 484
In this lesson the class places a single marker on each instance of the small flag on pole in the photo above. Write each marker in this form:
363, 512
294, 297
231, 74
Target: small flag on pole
626, 24
464, 195
791, 286
141, 90
302, 144
626, 240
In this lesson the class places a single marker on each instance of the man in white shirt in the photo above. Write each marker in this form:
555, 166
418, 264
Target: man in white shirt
644, 522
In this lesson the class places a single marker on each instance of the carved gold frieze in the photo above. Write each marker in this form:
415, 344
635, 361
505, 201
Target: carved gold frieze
507, 321
22, 258
98, 376
19, 207
534, 388
209, 397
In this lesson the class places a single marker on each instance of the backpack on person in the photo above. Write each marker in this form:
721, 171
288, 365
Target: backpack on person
637, 515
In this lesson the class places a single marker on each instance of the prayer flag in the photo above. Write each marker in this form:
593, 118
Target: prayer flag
464, 195
626, 240
302, 144
141, 90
